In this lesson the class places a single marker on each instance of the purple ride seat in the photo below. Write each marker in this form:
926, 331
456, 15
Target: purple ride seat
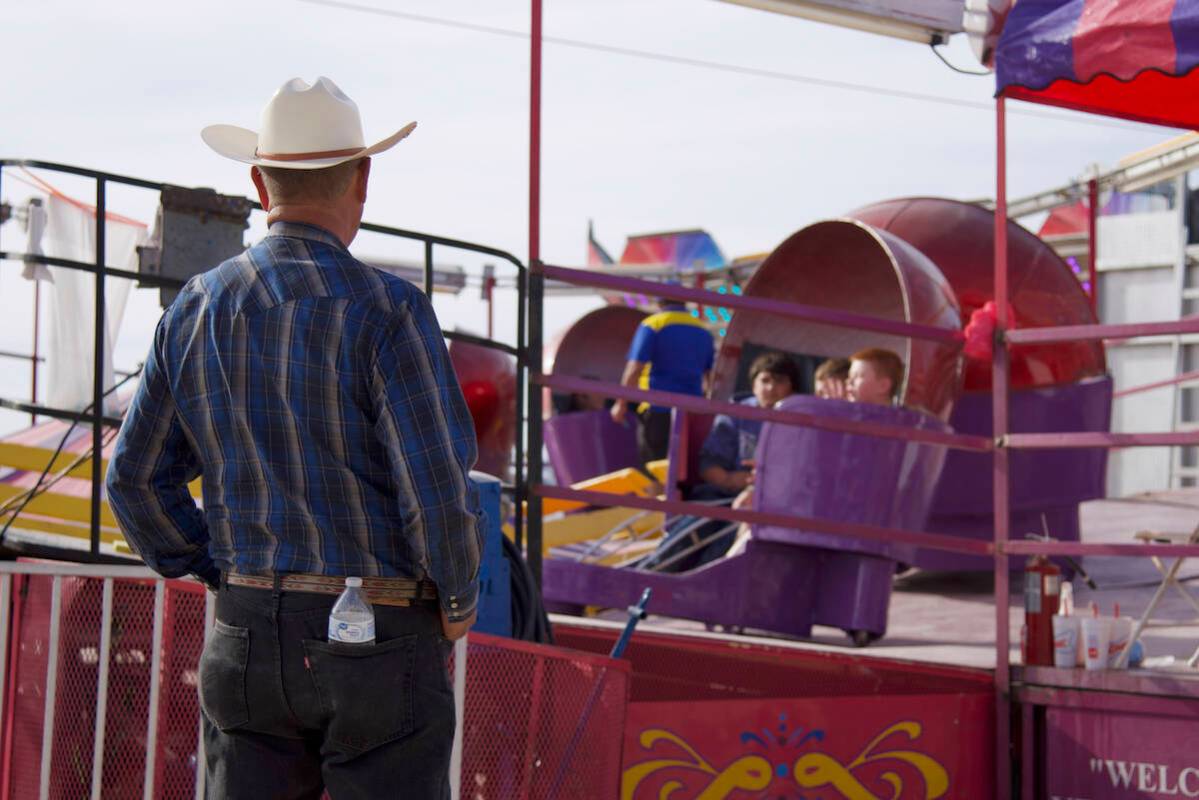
847, 477
688, 432
788, 580
1047, 486
584, 444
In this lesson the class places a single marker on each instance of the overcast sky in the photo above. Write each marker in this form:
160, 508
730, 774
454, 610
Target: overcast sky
634, 143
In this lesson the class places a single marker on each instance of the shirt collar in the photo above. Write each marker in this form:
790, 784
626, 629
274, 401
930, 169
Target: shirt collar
303, 230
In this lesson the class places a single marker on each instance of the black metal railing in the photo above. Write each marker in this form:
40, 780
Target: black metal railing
525, 350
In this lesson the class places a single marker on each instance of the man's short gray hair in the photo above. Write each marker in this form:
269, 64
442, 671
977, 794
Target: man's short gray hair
308, 185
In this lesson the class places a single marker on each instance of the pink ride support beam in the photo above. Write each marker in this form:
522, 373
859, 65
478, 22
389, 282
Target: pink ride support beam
1055, 548
702, 405
828, 316
1177, 379
1048, 441
1077, 333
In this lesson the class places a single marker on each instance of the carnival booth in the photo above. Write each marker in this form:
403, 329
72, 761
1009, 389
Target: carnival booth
840, 265
1134, 60
1061, 386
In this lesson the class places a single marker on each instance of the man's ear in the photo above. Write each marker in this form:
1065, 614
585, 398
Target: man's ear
260, 185
361, 178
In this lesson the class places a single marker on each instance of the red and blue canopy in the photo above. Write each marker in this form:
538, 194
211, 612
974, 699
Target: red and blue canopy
1134, 59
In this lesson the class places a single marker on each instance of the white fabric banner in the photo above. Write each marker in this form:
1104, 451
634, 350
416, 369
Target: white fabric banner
71, 233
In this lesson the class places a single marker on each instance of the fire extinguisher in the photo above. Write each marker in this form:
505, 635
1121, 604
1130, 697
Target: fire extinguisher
1042, 592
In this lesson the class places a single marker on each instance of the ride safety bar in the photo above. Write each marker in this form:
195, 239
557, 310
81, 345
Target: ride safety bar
827, 316
1090, 333
703, 405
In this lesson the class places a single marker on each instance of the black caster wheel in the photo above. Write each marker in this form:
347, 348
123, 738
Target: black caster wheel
863, 638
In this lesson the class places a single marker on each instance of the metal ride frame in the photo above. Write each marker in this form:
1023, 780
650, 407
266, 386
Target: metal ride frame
1003, 441
98, 420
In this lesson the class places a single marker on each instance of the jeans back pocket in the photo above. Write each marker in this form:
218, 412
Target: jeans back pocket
223, 676
366, 690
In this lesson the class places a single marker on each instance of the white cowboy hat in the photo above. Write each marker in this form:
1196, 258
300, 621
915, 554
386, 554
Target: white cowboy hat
303, 127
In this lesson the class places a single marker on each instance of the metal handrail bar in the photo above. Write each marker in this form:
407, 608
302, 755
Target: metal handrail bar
56, 413
22, 356
82, 172
1059, 548
470, 338
443, 241
366, 226
1083, 439
76, 570
827, 316
1054, 334
155, 281
818, 524
1186, 377
703, 405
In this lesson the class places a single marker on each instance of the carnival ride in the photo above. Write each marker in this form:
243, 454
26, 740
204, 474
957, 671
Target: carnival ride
922, 262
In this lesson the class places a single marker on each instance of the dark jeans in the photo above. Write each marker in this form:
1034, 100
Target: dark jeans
287, 714
653, 435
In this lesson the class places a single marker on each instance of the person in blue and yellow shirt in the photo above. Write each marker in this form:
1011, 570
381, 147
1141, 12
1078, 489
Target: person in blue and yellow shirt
672, 351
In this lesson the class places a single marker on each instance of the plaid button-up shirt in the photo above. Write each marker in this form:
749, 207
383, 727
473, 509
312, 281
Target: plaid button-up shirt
315, 396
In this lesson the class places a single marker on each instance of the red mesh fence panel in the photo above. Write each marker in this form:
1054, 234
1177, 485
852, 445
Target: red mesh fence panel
75, 701
130, 657
540, 722
179, 703
130, 662
27, 675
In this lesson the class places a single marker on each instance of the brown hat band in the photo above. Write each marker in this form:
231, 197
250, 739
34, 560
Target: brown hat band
308, 156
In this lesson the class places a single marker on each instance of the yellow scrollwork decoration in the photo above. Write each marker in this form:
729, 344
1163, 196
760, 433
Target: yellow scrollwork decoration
814, 770
748, 772
811, 770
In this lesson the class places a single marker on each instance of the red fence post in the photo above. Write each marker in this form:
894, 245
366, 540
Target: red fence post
999, 401
1093, 243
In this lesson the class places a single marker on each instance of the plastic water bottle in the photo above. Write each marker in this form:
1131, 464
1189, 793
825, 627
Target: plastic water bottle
352, 618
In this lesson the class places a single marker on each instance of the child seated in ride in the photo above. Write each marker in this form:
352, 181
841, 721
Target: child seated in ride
872, 375
831, 377
875, 376
726, 464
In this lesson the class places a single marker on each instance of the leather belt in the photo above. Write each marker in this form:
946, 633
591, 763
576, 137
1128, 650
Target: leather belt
383, 591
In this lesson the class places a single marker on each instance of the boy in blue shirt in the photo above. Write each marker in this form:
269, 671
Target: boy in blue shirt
672, 351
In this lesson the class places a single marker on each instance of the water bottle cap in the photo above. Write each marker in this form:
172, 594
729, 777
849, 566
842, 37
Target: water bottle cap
354, 583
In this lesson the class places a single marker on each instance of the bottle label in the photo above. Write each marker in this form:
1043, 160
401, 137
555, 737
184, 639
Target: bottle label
354, 632
1032, 592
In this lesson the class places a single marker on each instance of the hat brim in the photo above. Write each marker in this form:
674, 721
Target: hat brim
241, 144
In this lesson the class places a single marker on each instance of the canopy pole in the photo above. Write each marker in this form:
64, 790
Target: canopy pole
535, 298
999, 402
1093, 243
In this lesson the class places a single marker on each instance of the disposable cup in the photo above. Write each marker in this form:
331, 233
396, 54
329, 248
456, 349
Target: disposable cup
1096, 635
1065, 641
1121, 632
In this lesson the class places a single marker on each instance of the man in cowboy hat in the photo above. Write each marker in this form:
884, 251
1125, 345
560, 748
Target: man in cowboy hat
315, 396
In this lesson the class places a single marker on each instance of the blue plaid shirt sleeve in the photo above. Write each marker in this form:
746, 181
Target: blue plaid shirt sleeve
148, 476
426, 428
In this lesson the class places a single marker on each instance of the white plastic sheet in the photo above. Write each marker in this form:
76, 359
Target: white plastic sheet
70, 233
